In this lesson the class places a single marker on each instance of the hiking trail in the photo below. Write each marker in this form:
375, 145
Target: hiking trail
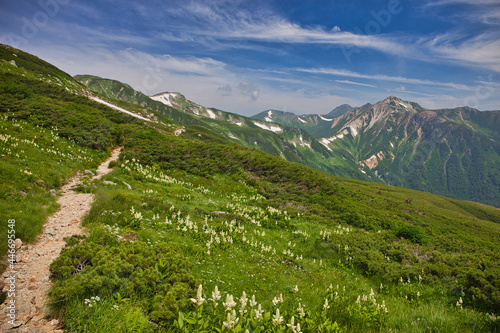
33, 260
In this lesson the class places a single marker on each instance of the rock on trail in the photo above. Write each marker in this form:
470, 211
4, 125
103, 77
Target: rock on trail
33, 260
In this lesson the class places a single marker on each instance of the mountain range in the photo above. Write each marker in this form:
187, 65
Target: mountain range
451, 152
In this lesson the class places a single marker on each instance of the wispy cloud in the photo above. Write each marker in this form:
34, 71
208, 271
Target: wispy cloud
168, 63
480, 51
468, 2
268, 27
356, 83
382, 77
403, 89
483, 11
224, 28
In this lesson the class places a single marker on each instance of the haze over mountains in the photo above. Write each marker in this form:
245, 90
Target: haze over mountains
451, 152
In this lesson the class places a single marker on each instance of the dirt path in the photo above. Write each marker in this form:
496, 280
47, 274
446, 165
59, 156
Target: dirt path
33, 260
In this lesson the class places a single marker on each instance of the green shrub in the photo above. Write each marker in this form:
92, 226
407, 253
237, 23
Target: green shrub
102, 265
415, 234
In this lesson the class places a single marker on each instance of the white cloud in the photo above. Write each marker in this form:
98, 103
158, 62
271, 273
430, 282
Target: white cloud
480, 51
267, 27
382, 77
468, 2
483, 11
356, 83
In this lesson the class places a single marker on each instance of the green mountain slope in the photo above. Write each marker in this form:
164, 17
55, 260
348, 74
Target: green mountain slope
449, 152
293, 144
284, 244
312, 123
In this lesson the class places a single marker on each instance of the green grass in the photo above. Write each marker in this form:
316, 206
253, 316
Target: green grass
243, 265
106, 315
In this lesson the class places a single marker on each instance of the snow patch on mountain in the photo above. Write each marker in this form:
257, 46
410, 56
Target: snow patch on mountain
211, 114
302, 143
325, 119
98, 100
354, 130
326, 142
302, 120
232, 136
272, 128
165, 98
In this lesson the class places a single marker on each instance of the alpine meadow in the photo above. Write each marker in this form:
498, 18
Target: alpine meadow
250, 166
200, 229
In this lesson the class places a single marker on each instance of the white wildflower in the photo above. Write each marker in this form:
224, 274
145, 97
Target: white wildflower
231, 320
243, 302
216, 295
258, 312
252, 302
326, 306
277, 319
301, 311
199, 299
229, 303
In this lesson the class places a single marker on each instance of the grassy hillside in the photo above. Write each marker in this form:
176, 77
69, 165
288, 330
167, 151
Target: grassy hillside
247, 222
215, 237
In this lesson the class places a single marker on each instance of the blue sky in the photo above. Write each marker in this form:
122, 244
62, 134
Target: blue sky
249, 56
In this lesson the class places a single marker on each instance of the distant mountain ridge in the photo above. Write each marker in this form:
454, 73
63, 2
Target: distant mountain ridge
339, 111
451, 152
292, 143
